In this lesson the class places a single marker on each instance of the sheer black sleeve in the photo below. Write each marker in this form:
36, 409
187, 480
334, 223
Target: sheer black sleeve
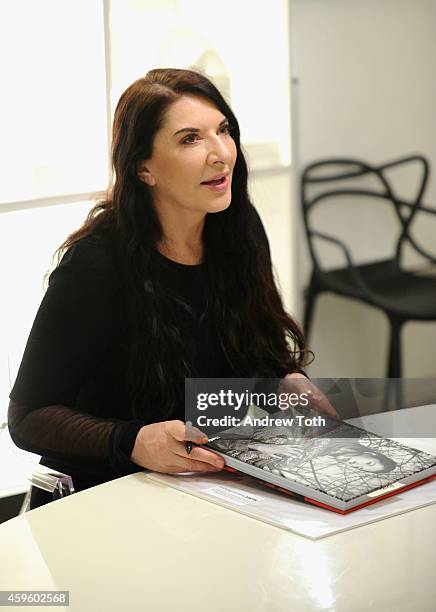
70, 334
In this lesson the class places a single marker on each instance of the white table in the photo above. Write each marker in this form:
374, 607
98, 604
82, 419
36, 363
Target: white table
135, 544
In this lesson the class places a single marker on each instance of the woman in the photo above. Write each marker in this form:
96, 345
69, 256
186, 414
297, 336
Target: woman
169, 277
360, 457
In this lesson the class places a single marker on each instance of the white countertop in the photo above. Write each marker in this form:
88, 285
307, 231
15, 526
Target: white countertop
136, 544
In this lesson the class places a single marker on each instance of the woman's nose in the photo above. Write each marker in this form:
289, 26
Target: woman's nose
218, 151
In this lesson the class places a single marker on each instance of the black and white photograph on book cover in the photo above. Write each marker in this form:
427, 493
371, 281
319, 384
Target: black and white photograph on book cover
344, 462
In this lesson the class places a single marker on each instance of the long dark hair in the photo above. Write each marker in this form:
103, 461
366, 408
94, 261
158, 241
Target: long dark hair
256, 335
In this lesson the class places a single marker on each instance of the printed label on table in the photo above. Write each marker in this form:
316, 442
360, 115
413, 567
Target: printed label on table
387, 489
239, 498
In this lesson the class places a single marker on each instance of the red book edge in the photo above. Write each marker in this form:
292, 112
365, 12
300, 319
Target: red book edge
332, 508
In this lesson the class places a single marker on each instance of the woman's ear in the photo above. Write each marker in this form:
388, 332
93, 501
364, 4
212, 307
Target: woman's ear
144, 174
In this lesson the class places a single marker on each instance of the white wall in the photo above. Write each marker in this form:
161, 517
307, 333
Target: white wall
271, 194
366, 89
28, 239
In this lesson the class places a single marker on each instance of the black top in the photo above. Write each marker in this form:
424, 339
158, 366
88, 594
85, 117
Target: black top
69, 399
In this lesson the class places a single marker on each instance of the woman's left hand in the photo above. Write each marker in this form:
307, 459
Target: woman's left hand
300, 384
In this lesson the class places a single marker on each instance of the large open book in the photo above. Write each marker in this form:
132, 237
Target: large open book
336, 466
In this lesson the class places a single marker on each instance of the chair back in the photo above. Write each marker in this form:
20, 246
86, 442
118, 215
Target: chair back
348, 181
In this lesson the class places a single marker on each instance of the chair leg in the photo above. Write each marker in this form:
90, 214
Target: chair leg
394, 392
395, 356
311, 296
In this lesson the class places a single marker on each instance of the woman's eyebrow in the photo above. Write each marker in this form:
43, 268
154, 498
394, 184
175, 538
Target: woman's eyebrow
193, 129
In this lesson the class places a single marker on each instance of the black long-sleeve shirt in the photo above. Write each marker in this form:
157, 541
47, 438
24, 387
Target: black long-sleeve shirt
68, 402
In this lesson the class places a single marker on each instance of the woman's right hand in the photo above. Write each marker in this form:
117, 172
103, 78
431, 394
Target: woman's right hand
160, 447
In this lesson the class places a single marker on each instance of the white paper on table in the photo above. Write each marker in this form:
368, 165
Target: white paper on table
250, 497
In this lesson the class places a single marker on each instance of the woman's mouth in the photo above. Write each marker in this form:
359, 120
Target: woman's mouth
220, 184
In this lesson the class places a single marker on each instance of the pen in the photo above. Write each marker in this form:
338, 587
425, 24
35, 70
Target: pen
190, 445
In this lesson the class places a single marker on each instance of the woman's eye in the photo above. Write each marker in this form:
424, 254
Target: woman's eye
190, 139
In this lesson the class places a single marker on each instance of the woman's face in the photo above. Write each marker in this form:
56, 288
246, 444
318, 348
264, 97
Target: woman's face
365, 461
192, 147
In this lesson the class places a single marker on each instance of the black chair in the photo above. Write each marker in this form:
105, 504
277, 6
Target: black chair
402, 295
